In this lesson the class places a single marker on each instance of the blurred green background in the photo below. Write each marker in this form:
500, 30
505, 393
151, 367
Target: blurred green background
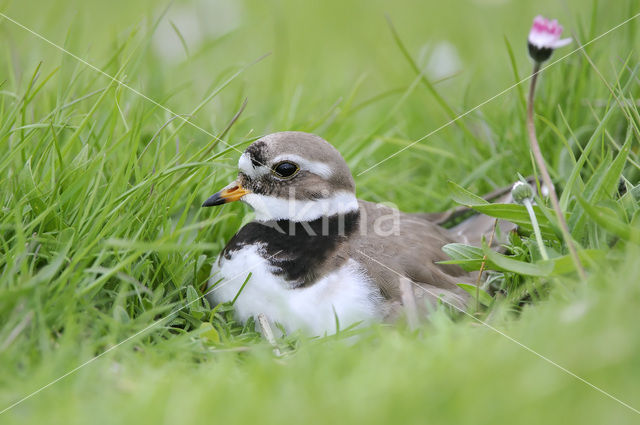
333, 68
102, 232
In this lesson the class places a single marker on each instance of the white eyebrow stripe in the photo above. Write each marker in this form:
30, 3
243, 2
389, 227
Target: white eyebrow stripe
246, 166
319, 168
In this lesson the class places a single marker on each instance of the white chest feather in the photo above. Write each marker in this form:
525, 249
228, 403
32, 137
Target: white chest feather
346, 293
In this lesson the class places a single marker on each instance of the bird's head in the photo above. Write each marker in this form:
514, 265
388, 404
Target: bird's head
291, 176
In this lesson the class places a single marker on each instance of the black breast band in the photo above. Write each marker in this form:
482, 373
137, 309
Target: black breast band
296, 249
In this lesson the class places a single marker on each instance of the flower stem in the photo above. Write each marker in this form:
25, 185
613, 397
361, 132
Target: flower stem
536, 229
546, 179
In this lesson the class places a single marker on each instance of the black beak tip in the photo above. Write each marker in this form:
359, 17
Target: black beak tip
214, 200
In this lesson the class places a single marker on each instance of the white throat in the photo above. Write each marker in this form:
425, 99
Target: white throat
272, 208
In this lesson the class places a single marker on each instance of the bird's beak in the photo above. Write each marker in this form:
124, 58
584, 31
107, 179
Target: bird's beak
231, 193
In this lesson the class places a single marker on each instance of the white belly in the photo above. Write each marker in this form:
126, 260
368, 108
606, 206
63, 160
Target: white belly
346, 293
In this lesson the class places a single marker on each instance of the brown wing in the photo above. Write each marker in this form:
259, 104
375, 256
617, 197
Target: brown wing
391, 242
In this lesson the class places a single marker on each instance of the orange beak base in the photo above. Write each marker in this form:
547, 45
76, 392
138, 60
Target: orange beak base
231, 193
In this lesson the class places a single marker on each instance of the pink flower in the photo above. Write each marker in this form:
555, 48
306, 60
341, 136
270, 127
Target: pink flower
544, 37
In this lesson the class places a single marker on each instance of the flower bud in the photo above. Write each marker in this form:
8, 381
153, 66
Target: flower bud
521, 192
544, 37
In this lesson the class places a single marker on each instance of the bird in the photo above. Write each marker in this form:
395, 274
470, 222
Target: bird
317, 259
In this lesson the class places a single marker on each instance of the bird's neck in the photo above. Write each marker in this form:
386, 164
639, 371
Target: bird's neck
331, 227
272, 208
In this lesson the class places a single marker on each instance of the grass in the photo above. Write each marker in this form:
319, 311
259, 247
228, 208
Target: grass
101, 233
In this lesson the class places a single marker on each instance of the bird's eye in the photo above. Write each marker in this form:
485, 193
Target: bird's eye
285, 169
